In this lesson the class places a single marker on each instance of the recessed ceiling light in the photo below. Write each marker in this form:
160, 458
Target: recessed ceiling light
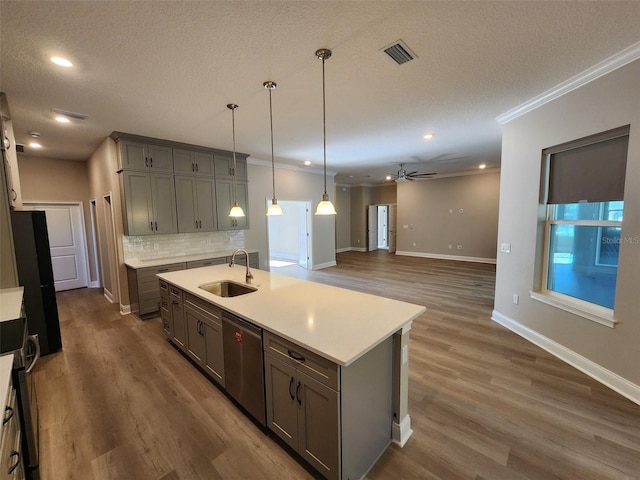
482, 165
388, 177
307, 162
63, 62
35, 145
62, 119
428, 136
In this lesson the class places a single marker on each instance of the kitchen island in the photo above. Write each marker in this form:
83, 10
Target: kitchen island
335, 360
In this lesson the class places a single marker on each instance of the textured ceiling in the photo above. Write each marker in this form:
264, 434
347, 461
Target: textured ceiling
168, 69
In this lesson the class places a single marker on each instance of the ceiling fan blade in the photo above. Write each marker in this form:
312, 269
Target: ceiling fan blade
424, 175
411, 173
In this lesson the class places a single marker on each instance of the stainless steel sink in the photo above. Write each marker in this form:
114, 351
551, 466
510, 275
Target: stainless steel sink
227, 288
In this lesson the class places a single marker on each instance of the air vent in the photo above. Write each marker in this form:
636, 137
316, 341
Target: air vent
77, 116
399, 52
19, 148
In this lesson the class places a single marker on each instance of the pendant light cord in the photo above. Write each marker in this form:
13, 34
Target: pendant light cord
273, 165
233, 129
324, 130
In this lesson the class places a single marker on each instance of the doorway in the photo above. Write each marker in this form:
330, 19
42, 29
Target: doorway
67, 242
108, 252
289, 235
96, 281
381, 227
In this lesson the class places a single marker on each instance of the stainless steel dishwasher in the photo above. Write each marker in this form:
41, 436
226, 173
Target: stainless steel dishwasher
243, 365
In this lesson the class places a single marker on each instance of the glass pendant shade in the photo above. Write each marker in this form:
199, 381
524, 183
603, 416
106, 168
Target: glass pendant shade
236, 211
274, 209
325, 207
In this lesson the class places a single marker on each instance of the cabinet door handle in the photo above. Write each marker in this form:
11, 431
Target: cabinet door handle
196, 167
151, 223
15, 465
8, 417
295, 356
290, 392
156, 226
199, 223
151, 162
146, 161
298, 393
193, 167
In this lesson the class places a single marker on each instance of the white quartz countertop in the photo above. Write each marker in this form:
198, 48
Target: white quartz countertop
10, 303
338, 324
155, 262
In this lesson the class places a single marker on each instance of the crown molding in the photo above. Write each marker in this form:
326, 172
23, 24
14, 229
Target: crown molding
608, 65
288, 166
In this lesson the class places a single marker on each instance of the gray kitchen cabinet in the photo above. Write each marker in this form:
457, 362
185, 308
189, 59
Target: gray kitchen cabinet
204, 336
224, 166
145, 157
192, 162
207, 262
302, 400
224, 201
11, 453
144, 294
165, 310
150, 203
177, 314
195, 204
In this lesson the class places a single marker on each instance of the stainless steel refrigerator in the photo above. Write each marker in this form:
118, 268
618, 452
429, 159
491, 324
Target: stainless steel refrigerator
35, 274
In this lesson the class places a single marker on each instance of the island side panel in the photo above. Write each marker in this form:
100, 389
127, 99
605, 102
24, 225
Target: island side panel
401, 430
367, 409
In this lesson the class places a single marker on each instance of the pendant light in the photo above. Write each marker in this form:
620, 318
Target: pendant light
236, 210
325, 207
274, 208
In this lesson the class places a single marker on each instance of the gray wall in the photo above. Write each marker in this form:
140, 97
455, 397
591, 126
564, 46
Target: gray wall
343, 218
608, 102
449, 211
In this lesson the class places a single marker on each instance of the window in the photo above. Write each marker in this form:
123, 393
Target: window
583, 190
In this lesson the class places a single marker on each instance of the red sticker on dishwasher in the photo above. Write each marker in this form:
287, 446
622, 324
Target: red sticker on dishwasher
238, 336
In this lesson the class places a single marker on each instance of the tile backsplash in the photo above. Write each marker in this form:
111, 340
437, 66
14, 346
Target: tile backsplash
147, 247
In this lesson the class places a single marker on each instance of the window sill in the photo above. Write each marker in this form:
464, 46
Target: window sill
595, 313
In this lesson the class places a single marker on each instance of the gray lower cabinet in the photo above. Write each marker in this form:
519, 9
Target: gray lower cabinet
225, 199
178, 317
144, 295
165, 310
302, 410
195, 204
150, 203
207, 263
203, 325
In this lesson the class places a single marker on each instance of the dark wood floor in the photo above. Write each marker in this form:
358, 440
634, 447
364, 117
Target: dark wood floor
120, 403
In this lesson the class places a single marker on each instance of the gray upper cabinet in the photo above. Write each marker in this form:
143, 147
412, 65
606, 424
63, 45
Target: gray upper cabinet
146, 157
191, 162
224, 202
224, 166
149, 203
195, 204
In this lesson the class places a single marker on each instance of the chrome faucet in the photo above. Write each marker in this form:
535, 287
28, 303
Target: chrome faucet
248, 276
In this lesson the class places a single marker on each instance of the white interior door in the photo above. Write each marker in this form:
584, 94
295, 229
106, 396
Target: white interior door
65, 226
372, 228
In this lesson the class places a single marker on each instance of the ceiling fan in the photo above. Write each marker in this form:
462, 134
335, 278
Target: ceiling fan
404, 176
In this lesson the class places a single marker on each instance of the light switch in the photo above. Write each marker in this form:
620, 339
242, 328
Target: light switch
505, 247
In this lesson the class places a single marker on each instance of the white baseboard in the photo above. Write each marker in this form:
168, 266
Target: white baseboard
400, 432
438, 256
358, 249
346, 249
320, 266
612, 380
125, 309
95, 284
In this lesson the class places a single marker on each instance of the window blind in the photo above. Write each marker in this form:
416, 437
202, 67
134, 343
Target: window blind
591, 169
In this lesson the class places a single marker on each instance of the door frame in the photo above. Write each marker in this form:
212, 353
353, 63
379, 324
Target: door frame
112, 247
33, 205
97, 266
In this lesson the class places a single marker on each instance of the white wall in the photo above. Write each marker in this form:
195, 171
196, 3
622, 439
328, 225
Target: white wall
613, 355
291, 184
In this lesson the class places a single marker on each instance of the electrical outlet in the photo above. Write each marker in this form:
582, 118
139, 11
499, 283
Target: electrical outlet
451, 210
461, 210
516, 298
505, 247
450, 247
156, 246
459, 247
414, 244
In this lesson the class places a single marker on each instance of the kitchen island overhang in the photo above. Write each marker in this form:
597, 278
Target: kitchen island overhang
337, 324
